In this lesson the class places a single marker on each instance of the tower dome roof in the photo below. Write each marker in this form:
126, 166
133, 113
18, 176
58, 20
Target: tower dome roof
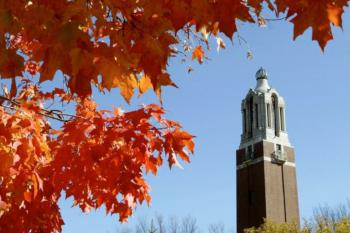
262, 84
261, 74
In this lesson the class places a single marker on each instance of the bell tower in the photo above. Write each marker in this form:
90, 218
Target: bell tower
266, 176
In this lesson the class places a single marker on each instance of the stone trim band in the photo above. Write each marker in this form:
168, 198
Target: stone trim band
260, 159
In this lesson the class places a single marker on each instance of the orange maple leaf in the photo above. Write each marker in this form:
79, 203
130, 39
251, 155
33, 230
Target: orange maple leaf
198, 54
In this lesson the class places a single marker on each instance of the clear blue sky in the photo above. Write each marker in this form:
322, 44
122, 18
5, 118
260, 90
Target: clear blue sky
316, 90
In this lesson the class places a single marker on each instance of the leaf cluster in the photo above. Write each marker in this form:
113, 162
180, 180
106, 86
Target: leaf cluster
122, 44
98, 157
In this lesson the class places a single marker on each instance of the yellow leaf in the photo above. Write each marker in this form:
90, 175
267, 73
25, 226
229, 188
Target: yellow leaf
127, 84
144, 84
334, 15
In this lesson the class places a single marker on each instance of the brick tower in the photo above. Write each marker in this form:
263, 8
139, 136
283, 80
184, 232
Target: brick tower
266, 177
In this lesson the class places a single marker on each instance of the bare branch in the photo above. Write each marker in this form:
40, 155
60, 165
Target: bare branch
216, 228
189, 225
53, 114
174, 225
160, 224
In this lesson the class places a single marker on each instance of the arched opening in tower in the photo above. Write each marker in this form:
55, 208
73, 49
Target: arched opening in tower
275, 114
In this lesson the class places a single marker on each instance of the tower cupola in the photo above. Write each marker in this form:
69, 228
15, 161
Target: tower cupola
263, 114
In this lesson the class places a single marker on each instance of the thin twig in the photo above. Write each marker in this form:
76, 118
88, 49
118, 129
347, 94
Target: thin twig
53, 114
276, 19
42, 114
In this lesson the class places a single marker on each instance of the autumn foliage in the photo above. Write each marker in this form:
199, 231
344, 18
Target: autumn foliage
339, 226
99, 157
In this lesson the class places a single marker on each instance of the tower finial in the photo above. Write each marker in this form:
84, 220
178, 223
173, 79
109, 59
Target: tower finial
261, 74
262, 84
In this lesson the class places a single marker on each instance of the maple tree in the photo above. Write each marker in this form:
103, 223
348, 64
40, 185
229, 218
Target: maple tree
98, 157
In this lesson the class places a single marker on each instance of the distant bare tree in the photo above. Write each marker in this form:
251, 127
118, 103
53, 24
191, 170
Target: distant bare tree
152, 228
216, 228
174, 226
124, 229
326, 216
329, 216
189, 225
142, 226
324, 219
160, 224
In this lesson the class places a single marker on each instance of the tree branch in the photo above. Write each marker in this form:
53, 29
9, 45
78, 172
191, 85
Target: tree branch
53, 114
